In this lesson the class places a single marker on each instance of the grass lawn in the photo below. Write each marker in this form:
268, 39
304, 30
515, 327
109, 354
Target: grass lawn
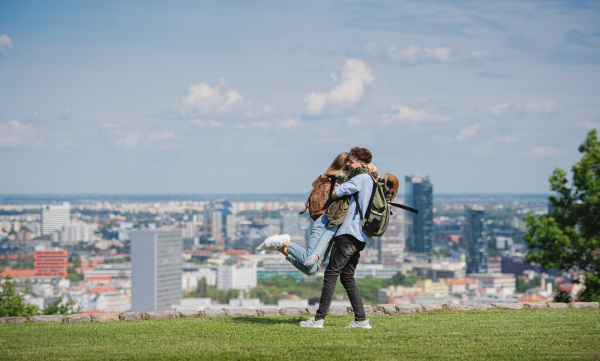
500, 335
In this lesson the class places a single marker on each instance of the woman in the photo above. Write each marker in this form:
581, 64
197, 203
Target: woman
309, 260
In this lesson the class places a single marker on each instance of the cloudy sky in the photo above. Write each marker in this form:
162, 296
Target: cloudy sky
259, 96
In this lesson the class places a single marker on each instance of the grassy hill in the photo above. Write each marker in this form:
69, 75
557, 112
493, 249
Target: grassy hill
490, 335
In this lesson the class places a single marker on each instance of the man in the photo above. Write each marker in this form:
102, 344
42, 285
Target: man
347, 244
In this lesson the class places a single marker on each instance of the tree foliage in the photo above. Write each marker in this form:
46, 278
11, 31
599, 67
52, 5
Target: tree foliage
62, 308
12, 303
569, 237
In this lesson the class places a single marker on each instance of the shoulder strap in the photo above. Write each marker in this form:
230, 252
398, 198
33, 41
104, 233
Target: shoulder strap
416, 211
370, 201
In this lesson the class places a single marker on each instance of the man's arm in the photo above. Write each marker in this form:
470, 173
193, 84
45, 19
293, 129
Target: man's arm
347, 188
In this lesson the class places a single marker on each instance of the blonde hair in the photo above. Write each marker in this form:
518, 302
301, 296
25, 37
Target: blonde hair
338, 165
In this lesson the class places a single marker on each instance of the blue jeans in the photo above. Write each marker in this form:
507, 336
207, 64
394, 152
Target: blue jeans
309, 260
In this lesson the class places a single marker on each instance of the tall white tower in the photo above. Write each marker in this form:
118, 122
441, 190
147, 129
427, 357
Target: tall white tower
54, 217
156, 269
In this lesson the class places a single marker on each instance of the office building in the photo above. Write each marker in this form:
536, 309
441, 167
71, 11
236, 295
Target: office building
419, 227
391, 244
55, 217
476, 240
50, 263
236, 276
156, 269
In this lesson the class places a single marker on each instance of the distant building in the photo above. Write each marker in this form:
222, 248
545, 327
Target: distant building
236, 276
419, 227
476, 241
50, 263
55, 217
156, 269
392, 243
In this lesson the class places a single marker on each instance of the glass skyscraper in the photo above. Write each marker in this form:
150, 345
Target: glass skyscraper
476, 241
419, 227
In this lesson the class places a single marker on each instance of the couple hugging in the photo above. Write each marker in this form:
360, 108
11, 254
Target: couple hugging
337, 233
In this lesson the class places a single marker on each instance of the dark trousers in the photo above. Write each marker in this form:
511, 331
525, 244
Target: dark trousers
344, 257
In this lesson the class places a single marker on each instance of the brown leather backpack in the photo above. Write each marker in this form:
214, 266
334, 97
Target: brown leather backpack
320, 197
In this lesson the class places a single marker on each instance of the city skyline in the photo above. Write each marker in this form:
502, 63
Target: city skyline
116, 97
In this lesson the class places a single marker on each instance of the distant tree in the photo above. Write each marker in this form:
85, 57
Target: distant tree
522, 285
202, 289
73, 275
12, 304
569, 237
562, 296
62, 308
75, 258
6, 260
25, 261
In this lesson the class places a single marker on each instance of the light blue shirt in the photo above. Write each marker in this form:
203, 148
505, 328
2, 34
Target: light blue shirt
363, 184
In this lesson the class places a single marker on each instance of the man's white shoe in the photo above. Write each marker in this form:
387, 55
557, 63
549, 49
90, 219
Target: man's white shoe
356, 324
311, 322
273, 242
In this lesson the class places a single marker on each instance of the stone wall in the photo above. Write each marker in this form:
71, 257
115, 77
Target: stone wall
379, 310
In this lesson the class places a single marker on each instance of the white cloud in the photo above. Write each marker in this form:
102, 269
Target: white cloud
419, 54
409, 115
14, 134
110, 125
588, 125
5, 45
355, 75
353, 121
531, 107
202, 99
128, 140
290, 123
544, 152
467, 133
508, 140
165, 134
205, 123
255, 125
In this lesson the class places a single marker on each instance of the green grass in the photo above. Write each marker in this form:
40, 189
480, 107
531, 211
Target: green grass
493, 335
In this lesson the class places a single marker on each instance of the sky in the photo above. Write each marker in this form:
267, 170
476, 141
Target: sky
260, 96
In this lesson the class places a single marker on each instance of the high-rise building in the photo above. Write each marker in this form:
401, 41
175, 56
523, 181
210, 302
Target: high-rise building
236, 276
419, 227
50, 263
392, 243
55, 217
476, 241
156, 269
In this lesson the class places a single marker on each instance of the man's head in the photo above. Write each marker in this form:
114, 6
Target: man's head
359, 157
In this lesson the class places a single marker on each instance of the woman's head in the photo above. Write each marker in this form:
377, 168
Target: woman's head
338, 165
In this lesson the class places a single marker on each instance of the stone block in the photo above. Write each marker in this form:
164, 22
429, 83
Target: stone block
508, 306
241, 312
557, 305
388, 309
46, 318
431, 307
13, 319
269, 312
312, 309
294, 311
131, 316
338, 311
78, 317
160, 315
373, 311
215, 313
408, 309
472, 307
188, 314
105, 317
536, 306
584, 305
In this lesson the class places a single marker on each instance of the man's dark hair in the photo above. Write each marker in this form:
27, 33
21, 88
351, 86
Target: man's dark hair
362, 154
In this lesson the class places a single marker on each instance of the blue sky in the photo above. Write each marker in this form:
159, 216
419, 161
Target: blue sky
259, 96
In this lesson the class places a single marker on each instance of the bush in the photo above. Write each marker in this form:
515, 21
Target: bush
12, 304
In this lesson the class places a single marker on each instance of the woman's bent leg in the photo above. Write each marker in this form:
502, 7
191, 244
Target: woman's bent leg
318, 245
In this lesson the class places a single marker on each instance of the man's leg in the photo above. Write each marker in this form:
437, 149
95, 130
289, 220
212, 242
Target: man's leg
349, 283
342, 250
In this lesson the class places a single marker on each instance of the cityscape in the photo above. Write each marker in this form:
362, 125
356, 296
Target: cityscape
191, 252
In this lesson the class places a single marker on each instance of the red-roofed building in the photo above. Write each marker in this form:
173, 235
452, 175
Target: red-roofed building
18, 273
51, 263
237, 252
101, 289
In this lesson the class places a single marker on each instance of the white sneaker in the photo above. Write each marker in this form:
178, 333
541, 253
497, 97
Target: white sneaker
273, 243
356, 324
311, 322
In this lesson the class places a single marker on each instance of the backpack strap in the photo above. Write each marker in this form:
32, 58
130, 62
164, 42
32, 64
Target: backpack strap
370, 202
416, 211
